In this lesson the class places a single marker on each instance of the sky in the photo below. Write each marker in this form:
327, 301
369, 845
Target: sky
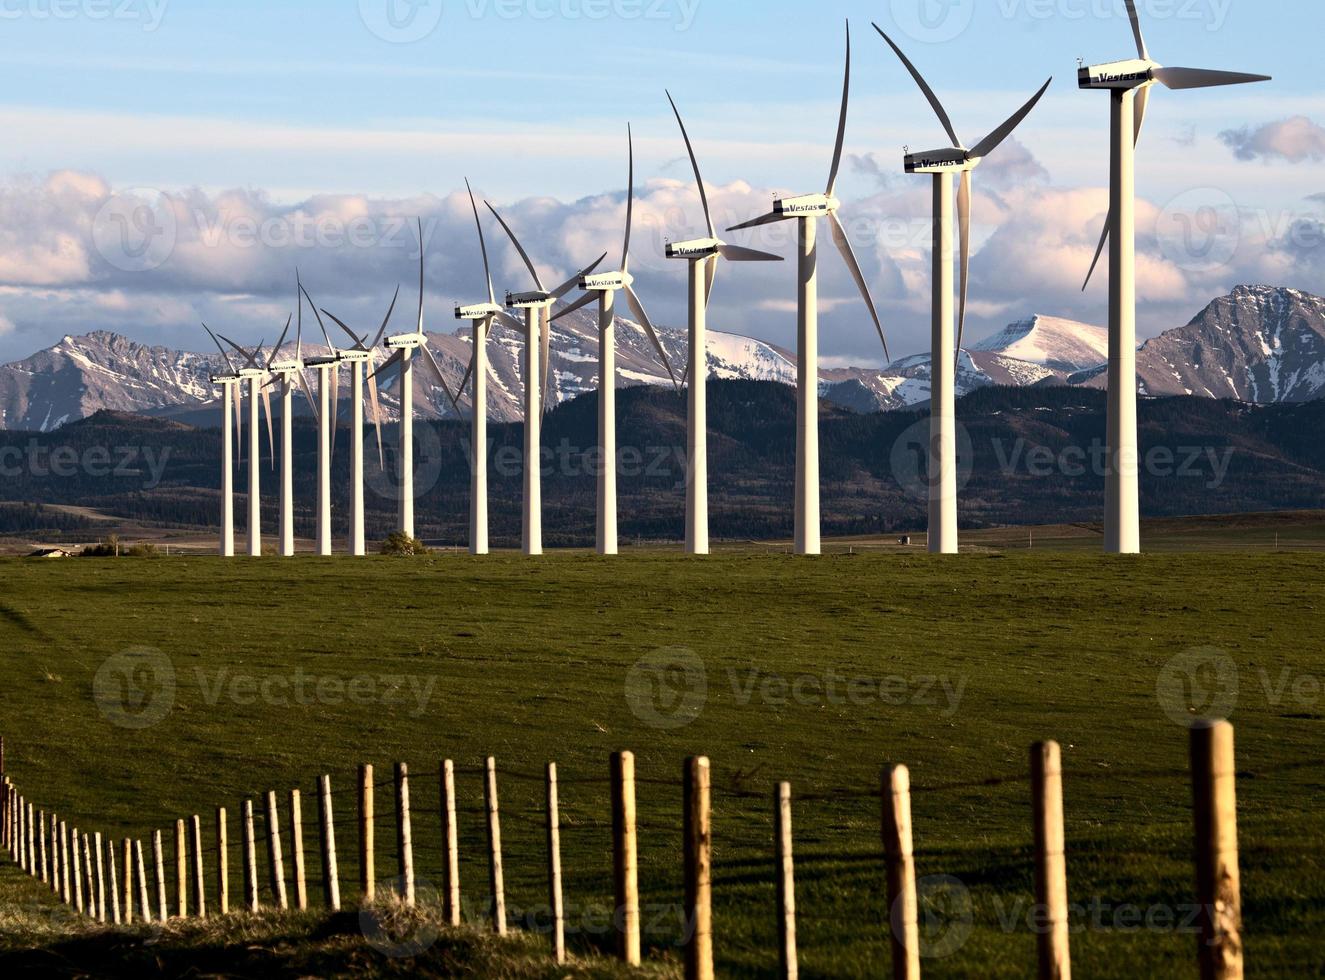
167, 162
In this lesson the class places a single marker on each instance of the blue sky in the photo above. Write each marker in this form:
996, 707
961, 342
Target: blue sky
291, 101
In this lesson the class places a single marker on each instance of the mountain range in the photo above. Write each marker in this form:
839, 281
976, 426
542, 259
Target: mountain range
1260, 345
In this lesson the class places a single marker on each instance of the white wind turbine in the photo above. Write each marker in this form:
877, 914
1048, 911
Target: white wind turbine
944, 355
230, 421
360, 358
537, 306
289, 373
404, 346
604, 286
481, 315
807, 211
703, 256
328, 401
255, 373
1129, 84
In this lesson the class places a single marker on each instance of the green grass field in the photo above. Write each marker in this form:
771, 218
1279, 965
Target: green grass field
953, 667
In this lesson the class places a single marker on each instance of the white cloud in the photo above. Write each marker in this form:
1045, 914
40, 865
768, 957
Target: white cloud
1296, 140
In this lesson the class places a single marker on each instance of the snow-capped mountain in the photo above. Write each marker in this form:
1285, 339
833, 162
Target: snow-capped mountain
1260, 344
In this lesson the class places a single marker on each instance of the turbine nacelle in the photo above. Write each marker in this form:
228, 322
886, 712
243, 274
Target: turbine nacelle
947, 160
224, 379
606, 282
529, 301
286, 367
1118, 75
323, 362
355, 356
406, 341
808, 206
701, 248
250, 374
480, 311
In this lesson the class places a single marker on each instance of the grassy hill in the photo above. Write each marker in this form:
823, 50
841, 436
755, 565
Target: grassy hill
952, 667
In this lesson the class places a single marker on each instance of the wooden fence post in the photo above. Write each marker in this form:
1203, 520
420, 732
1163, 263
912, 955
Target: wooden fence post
786, 878
32, 840
126, 853
89, 878
554, 867
404, 836
297, 850
451, 839
114, 884
144, 900
1052, 937
625, 861
699, 868
101, 877
66, 894
199, 871
54, 881
327, 825
222, 862
22, 833
275, 859
367, 838
1218, 879
250, 859
77, 847
181, 869
43, 868
898, 847
159, 858
496, 877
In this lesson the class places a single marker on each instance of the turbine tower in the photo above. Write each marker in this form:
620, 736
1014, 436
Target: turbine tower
254, 372
230, 420
703, 257
807, 211
537, 306
404, 346
328, 395
1128, 84
481, 316
605, 286
944, 355
288, 373
360, 358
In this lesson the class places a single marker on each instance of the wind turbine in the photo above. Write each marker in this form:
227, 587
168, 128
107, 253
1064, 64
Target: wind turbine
703, 256
230, 420
255, 373
605, 286
943, 165
537, 306
360, 358
481, 316
1129, 84
328, 393
404, 346
288, 373
807, 211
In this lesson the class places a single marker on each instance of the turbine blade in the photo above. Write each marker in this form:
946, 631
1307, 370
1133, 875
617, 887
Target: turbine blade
987, 145
421, 257
385, 320
392, 362
325, 336
299, 335
538, 283
1187, 78
431, 361
239, 423
376, 405
710, 276
694, 163
1136, 30
735, 253
632, 298
224, 353
308, 392
964, 227
849, 256
250, 358
842, 121
280, 343
630, 200
579, 304
574, 280
271, 431
1142, 104
358, 341
545, 355
771, 218
482, 242
924, 87
464, 383
335, 398
1099, 252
